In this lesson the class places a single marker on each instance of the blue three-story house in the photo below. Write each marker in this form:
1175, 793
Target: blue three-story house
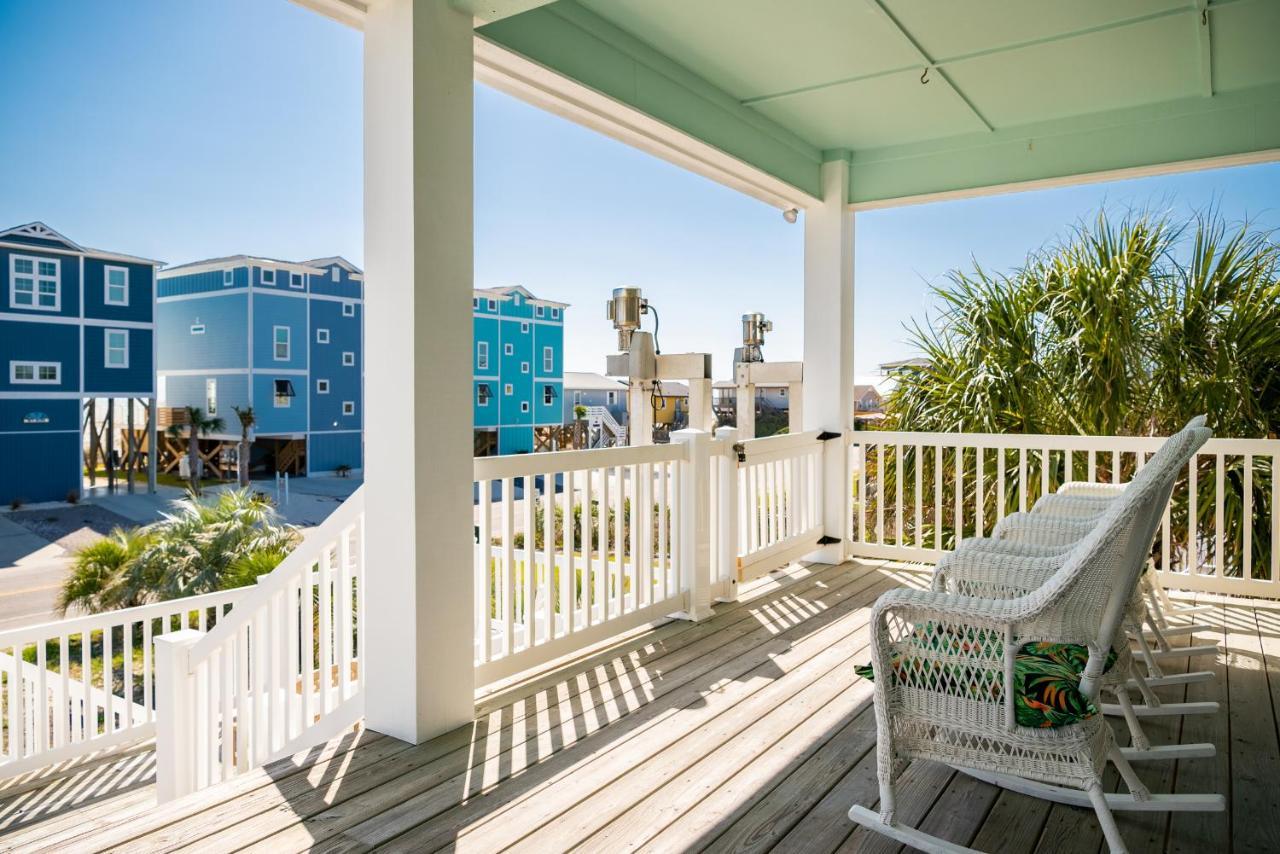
284, 337
76, 325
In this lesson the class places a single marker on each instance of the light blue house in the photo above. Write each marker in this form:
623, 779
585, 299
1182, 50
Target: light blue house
518, 367
283, 337
76, 324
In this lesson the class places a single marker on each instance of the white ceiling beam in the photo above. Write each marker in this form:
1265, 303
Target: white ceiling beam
350, 13
927, 62
488, 11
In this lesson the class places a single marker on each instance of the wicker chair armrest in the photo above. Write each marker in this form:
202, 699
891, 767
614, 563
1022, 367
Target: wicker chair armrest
1072, 506
1095, 490
1042, 529
998, 569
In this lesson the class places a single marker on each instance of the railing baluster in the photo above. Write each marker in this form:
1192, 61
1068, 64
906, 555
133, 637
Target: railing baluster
588, 564
1000, 476
937, 497
529, 526
1193, 523
959, 511
1022, 480
897, 494
979, 502
568, 570
1219, 534
508, 565
484, 572
1246, 519
880, 472
918, 460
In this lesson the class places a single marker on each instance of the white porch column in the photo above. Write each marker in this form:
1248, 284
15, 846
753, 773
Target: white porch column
418, 257
828, 341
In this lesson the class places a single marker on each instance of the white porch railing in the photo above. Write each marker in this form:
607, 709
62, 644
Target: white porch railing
278, 674
81, 684
915, 494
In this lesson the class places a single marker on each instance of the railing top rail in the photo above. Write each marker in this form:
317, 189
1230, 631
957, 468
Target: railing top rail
1036, 441
89, 622
530, 465
306, 553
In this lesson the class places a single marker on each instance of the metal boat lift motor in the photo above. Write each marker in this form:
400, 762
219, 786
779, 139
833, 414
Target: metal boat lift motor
750, 370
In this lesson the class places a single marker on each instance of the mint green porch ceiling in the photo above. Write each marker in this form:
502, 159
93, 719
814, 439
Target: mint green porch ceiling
928, 96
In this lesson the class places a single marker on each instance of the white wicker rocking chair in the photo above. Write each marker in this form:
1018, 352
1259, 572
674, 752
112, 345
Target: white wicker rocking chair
1055, 524
946, 688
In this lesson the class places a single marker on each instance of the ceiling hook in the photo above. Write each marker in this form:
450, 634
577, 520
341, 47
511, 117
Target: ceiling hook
924, 77
1204, 17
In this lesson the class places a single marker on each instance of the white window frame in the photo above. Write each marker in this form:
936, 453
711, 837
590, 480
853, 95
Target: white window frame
611, 398
322, 335
524, 327
555, 314
322, 386
537, 311
475, 303
348, 309
35, 372
211, 396
228, 278
524, 367
508, 389
548, 395
336, 274
548, 359
296, 277
271, 281
348, 407
106, 348
493, 305
348, 358
508, 349
524, 406
197, 329
577, 398
481, 398
482, 355
275, 344
36, 279
107, 270
277, 397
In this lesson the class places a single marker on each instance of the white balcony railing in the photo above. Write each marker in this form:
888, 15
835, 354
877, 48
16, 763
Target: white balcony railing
79, 685
915, 494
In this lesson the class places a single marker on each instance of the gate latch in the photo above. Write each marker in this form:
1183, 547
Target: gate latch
741, 450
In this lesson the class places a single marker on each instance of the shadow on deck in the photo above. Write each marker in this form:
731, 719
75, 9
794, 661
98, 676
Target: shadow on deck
749, 731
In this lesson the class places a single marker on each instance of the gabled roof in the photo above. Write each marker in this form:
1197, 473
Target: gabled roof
40, 231
508, 290
584, 381
237, 261
338, 260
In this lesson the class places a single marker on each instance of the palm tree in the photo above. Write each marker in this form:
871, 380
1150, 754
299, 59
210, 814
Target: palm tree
198, 424
247, 420
1124, 328
200, 547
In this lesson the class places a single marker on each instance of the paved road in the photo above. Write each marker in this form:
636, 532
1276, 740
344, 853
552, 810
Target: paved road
31, 571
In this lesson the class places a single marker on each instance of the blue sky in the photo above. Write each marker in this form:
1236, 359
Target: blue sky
181, 130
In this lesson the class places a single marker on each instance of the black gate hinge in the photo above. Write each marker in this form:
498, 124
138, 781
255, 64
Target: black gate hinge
827, 436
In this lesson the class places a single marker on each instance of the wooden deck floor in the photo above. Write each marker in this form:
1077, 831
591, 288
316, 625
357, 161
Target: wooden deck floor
748, 732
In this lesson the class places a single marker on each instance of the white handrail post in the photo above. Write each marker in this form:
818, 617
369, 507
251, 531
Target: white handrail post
695, 521
727, 517
175, 714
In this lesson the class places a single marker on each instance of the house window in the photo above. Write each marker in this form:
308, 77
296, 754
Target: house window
524, 367
475, 303
211, 396
548, 395
548, 360
336, 274
577, 398
35, 373
524, 327
228, 278
555, 314
116, 286
280, 337
537, 311
509, 349
482, 355
493, 305
524, 406
508, 389
116, 347
348, 407
348, 358
268, 276
348, 309
197, 329
295, 280
284, 393
322, 336
33, 283
483, 393
612, 398
322, 386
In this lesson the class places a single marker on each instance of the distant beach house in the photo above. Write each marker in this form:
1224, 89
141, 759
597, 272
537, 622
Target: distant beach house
76, 324
284, 337
518, 368
588, 389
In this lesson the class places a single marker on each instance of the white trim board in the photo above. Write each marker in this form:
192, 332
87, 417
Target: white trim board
262, 291
22, 317
1225, 161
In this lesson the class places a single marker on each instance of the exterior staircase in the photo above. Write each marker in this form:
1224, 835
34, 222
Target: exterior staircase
605, 431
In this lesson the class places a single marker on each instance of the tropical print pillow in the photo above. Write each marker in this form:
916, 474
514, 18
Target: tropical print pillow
1046, 675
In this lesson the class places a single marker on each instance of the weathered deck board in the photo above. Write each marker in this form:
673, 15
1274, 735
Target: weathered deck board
747, 732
